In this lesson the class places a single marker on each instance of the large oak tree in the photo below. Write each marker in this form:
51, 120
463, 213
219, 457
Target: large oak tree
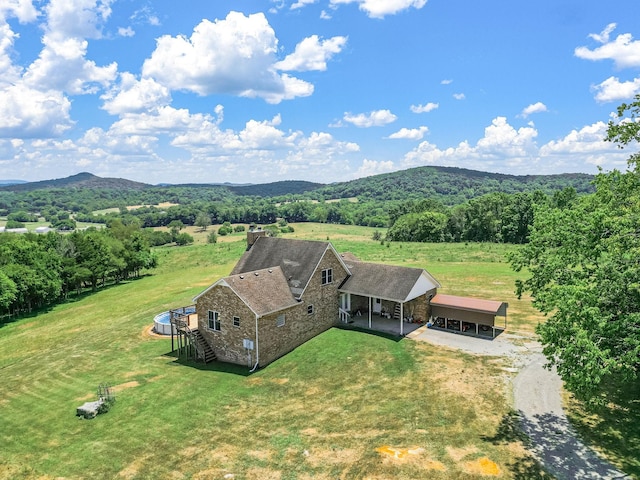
583, 261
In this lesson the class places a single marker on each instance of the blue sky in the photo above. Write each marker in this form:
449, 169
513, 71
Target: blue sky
321, 90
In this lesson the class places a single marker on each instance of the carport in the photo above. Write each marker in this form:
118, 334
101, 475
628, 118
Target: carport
471, 316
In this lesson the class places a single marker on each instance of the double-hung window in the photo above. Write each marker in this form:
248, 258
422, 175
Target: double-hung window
327, 276
214, 320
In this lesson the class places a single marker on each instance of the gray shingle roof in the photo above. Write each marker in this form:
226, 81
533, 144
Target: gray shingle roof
388, 282
264, 291
298, 259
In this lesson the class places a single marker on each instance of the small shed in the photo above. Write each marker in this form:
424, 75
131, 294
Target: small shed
468, 315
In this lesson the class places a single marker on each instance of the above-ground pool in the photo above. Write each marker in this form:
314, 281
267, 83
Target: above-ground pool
162, 321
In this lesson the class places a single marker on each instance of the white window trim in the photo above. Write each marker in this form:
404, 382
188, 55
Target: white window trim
310, 310
216, 321
327, 276
281, 320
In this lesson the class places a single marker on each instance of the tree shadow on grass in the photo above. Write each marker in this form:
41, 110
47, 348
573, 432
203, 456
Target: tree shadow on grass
509, 431
612, 425
557, 452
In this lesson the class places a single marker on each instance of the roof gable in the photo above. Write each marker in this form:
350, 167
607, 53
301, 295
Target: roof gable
263, 291
298, 259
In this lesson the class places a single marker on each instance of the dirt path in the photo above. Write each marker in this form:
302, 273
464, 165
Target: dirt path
537, 399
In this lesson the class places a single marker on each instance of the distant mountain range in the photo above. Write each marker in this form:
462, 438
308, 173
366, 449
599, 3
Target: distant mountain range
450, 185
81, 180
10, 182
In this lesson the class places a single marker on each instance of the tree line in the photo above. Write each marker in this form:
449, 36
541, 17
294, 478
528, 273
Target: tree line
495, 217
40, 270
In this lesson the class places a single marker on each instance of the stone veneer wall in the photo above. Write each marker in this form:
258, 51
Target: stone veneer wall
228, 343
301, 326
273, 341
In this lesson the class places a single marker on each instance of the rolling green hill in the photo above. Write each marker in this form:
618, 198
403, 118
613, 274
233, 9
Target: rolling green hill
448, 185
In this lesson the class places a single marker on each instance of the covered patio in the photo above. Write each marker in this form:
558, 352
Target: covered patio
386, 298
383, 324
468, 316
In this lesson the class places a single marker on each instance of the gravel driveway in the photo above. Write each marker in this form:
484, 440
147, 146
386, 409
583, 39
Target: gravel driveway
537, 399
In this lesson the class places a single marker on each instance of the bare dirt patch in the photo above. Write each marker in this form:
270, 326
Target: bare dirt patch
260, 454
333, 456
132, 470
458, 454
190, 451
412, 454
124, 386
149, 332
280, 381
264, 473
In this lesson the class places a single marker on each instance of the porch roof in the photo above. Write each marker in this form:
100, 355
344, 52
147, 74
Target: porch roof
389, 282
493, 307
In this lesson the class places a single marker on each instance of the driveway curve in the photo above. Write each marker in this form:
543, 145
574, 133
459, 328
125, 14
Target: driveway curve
538, 401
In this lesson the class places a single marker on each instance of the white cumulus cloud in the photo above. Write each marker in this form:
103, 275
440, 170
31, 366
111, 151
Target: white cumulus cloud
409, 133
236, 56
126, 32
374, 167
377, 118
133, 95
382, 8
312, 54
427, 107
623, 50
302, 3
30, 113
612, 89
537, 107
23, 10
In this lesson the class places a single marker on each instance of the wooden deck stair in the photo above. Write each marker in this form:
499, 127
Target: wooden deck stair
203, 349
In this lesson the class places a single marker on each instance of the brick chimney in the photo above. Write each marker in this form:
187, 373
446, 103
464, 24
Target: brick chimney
253, 234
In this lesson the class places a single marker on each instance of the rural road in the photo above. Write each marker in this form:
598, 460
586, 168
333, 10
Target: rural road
537, 399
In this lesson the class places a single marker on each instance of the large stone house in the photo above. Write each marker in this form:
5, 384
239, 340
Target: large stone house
283, 292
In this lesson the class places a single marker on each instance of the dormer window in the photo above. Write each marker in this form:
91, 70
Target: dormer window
327, 276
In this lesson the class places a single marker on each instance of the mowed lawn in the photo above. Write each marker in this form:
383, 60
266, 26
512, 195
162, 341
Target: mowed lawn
346, 404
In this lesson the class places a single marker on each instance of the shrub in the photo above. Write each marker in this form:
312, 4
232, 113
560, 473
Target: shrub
183, 239
14, 224
212, 237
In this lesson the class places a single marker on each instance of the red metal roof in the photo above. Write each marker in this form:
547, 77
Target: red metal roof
465, 303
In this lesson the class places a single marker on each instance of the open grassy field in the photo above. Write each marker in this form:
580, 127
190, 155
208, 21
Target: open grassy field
346, 404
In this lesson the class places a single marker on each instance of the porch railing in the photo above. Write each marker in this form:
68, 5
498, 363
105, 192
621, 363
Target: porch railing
344, 315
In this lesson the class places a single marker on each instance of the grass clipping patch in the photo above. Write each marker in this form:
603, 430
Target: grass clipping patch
482, 466
407, 453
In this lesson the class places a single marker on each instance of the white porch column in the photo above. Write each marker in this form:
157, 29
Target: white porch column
401, 318
370, 312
